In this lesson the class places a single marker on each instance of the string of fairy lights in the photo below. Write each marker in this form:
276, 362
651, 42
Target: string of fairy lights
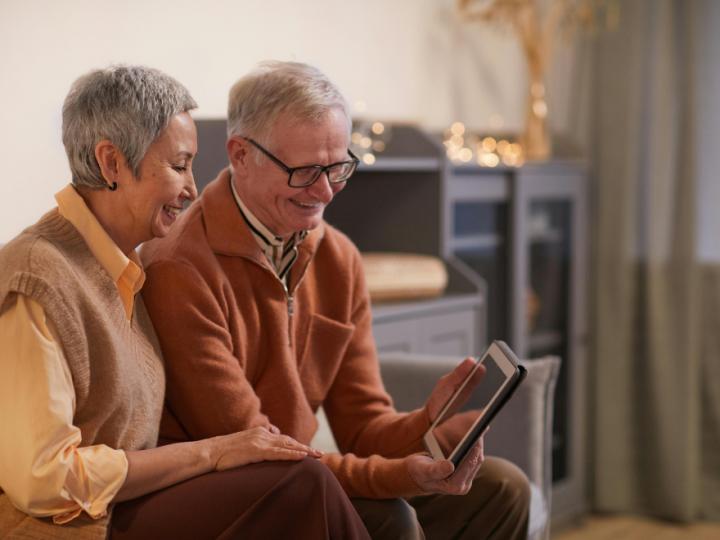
463, 146
369, 138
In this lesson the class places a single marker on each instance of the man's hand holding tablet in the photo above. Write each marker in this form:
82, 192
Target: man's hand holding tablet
461, 407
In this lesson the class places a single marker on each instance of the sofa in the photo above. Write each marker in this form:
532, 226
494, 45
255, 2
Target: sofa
521, 433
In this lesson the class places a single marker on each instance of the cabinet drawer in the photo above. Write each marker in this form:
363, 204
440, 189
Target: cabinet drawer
446, 334
396, 336
452, 334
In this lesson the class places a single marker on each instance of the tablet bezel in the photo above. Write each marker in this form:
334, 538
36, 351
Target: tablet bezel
514, 373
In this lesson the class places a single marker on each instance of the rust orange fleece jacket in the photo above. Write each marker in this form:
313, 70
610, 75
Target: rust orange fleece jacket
236, 357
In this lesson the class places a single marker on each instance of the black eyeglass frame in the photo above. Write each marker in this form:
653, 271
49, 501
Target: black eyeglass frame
355, 161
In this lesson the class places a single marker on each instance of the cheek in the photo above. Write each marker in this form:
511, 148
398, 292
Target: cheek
155, 202
285, 195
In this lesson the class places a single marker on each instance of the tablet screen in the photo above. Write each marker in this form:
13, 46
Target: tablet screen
469, 403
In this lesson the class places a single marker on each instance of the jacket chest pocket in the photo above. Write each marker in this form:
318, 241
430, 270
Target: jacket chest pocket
324, 349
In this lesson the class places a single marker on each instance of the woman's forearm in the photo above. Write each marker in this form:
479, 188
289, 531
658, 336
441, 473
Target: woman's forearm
158, 468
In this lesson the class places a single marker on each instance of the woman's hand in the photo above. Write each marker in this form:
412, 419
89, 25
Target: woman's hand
254, 445
157, 468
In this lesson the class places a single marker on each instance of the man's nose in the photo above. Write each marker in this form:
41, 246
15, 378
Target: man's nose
322, 189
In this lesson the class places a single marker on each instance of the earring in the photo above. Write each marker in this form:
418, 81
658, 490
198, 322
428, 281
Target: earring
112, 187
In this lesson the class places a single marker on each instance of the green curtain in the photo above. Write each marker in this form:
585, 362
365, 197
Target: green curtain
655, 375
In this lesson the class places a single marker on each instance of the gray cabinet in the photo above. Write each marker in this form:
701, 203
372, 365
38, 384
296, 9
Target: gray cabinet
524, 231
443, 327
397, 205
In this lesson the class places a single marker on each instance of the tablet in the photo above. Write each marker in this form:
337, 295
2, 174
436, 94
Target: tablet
474, 404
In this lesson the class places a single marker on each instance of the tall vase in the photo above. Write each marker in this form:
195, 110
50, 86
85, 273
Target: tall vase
536, 139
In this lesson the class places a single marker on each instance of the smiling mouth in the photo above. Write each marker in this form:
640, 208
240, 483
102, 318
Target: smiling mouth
307, 206
172, 211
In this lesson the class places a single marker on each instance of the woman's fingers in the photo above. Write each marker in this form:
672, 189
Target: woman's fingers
259, 444
288, 442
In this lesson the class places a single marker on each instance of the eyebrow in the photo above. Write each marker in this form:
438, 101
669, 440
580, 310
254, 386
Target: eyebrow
185, 154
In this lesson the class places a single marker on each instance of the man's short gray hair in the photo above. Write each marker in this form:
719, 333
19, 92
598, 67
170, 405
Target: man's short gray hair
274, 88
128, 105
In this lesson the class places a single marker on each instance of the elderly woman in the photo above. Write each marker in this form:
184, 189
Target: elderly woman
81, 379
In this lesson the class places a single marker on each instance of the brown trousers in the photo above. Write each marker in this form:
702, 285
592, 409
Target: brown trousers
268, 500
497, 507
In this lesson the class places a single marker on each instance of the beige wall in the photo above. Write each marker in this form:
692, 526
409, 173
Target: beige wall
407, 59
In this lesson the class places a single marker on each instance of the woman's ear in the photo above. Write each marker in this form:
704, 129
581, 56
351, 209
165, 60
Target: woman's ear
110, 160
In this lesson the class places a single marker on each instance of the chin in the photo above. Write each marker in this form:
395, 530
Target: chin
309, 225
160, 231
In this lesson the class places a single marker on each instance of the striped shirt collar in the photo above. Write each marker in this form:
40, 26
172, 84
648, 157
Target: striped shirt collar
281, 255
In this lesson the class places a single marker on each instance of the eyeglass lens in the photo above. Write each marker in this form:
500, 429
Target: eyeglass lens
303, 176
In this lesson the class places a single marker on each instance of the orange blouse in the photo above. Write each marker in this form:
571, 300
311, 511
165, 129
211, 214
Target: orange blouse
37, 398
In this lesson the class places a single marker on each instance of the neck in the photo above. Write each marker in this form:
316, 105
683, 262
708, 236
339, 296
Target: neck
104, 206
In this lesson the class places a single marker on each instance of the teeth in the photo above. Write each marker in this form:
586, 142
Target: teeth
172, 210
307, 205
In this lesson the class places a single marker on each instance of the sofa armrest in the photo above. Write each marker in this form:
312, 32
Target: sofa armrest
521, 432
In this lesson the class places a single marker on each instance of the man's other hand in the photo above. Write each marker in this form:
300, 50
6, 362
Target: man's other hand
449, 383
439, 476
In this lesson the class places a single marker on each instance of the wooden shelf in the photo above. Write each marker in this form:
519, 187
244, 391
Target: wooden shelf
401, 164
476, 242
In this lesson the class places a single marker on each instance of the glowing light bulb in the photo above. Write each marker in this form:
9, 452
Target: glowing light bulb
540, 108
458, 128
368, 159
488, 160
489, 144
457, 140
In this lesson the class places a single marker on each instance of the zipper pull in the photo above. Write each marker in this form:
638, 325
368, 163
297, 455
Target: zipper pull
291, 312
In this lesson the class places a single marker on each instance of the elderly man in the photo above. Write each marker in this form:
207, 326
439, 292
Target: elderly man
271, 319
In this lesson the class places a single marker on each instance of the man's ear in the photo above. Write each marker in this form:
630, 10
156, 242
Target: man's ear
238, 153
110, 160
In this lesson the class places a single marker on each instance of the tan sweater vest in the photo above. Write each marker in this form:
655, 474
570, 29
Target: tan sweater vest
115, 364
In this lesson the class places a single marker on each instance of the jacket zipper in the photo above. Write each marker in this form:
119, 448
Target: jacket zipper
291, 307
290, 298
291, 312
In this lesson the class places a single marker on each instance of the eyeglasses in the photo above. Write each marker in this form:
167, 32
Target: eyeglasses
307, 175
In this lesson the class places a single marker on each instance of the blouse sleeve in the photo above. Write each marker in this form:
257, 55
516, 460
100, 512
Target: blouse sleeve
42, 470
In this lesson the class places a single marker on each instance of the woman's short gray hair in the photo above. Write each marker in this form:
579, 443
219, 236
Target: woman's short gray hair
275, 88
128, 105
